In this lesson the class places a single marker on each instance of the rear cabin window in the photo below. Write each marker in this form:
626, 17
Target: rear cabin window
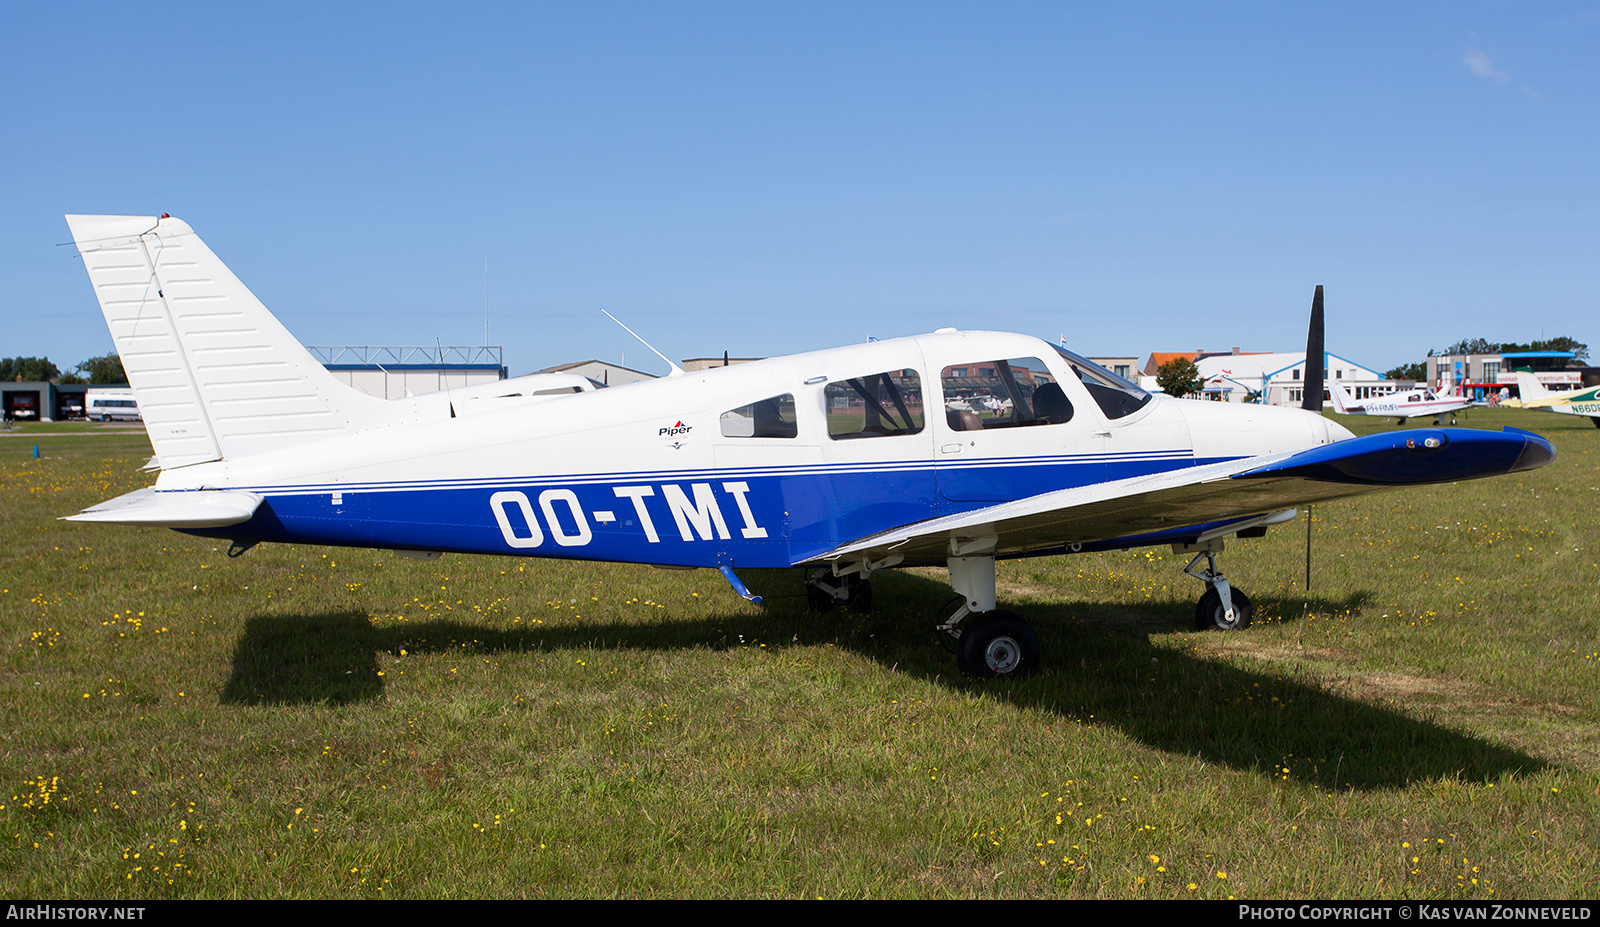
1002, 394
881, 405
769, 418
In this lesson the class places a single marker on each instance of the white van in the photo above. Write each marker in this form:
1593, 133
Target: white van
107, 405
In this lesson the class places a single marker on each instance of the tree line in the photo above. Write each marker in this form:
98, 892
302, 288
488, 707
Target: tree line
96, 371
1419, 370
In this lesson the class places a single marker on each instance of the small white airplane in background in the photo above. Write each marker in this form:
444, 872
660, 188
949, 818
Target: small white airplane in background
1531, 394
845, 461
1417, 403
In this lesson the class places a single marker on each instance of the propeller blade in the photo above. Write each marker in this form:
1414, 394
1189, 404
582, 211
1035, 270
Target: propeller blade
1315, 353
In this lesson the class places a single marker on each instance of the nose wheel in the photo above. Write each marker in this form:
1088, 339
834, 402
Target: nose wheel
1210, 615
1222, 607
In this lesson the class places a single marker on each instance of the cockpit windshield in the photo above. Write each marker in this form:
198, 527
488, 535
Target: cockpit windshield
1116, 396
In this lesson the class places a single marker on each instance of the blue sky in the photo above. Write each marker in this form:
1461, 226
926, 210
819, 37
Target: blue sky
763, 177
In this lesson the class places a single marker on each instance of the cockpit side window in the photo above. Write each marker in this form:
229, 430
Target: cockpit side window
1002, 394
880, 405
769, 418
1115, 396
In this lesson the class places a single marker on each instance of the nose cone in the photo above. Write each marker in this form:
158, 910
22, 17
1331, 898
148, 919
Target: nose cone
1332, 430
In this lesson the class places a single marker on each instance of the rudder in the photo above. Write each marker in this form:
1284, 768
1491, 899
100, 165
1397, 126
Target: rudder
216, 375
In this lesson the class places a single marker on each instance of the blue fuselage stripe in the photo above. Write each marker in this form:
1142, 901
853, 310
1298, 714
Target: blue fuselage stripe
745, 518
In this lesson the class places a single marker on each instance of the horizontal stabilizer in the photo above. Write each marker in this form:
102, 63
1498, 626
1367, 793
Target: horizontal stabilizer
204, 508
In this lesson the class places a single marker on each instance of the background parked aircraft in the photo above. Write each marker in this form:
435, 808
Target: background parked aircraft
1531, 394
1415, 403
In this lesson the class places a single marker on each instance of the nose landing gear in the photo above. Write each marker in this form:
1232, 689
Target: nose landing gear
1222, 607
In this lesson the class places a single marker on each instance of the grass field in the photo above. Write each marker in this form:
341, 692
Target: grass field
328, 723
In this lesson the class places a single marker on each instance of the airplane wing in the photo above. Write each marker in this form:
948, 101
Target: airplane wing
204, 508
1203, 495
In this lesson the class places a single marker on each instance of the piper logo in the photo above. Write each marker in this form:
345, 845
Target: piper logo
673, 430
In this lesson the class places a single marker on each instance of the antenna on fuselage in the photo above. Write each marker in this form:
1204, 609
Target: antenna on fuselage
1316, 351
676, 370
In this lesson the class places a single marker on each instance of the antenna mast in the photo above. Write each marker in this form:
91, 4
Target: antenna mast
676, 370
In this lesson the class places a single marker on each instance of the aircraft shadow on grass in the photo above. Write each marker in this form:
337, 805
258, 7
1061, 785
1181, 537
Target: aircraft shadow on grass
1101, 675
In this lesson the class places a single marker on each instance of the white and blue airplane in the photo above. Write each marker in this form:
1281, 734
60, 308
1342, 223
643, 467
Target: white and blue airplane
1417, 403
955, 448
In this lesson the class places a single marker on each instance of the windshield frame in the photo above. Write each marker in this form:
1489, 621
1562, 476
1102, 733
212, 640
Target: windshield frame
1117, 397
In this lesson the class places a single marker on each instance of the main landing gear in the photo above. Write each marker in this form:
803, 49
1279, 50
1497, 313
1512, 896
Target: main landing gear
824, 591
987, 642
845, 584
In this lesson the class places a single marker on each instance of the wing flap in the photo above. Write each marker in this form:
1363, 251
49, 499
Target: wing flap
206, 508
1202, 496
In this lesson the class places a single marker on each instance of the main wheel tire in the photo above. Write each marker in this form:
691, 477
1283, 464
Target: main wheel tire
1210, 616
998, 644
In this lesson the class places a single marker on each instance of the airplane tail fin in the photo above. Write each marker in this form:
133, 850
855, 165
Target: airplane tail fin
1343, 402
215, 374
1530, 390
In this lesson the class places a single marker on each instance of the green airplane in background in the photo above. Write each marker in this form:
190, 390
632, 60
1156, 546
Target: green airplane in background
1533, 395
